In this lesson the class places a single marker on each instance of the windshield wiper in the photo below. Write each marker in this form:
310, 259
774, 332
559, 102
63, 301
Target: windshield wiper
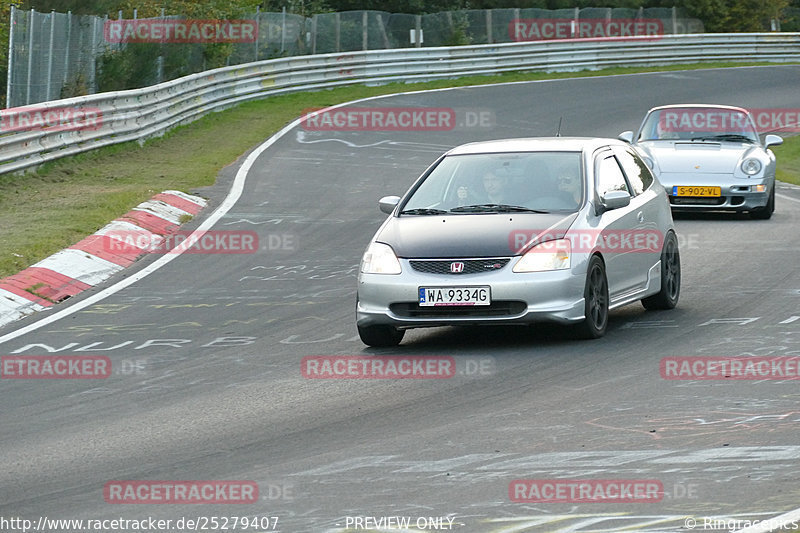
495, 208
726, 137
423, 211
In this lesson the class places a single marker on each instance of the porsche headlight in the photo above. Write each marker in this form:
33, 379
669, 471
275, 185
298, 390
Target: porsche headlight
380, 259
751, 166
550, 255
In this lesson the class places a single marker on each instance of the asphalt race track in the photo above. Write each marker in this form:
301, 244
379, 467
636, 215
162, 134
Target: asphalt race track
206, 354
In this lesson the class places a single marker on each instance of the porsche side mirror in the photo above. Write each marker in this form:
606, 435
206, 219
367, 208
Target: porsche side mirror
626, 136
772, 140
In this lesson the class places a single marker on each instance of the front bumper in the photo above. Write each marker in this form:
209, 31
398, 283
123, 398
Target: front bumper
736, 194
553, 296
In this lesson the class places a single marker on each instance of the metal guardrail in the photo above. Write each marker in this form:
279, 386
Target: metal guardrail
137, 114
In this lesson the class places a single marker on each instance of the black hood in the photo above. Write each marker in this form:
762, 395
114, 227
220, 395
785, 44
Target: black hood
472, 235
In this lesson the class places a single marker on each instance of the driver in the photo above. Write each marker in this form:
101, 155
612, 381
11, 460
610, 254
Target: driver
496, 187
569, 184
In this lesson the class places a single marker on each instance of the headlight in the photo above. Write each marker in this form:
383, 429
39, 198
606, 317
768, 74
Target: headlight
380, 259
550, 255
751, 166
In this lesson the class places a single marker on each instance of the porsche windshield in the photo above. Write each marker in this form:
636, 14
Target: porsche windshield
501, 183
698, 124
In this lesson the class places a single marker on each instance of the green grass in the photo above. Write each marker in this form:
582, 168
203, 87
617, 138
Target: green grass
788, 155
60, 203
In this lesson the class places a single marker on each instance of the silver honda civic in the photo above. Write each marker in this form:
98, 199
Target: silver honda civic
519, 231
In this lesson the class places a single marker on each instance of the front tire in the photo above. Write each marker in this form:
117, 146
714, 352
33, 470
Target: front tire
667, 297
380, 336
595, 296
765, 213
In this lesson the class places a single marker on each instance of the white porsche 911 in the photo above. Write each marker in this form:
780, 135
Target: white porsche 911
709, 157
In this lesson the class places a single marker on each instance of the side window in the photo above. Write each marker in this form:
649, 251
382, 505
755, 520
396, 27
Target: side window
609, 175
636, 170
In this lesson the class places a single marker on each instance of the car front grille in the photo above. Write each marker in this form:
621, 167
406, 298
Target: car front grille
499, 308
696, 200
455, 267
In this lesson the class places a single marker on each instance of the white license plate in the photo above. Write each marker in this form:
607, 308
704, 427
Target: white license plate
433, 296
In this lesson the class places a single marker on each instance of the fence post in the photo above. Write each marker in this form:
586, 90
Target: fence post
314, 34
418, 44
385, 36
283, 29
674, 20
93, 55
338, 31
575, 27
10, 56
160, 58
49, 86
258, 28
30, 55
364, 34
488, 26
66, 48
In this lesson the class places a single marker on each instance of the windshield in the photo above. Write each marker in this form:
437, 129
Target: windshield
698, 124
508, 182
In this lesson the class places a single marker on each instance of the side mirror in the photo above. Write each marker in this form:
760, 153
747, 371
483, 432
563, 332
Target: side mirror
626, 136
772, 140
388, 203
615, 200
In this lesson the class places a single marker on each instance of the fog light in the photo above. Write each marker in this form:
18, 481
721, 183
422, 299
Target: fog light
759, 188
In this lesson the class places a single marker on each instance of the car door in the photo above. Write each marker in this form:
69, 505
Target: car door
653, 212
625, 265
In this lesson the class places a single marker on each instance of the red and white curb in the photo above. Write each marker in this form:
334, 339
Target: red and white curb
95, 258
